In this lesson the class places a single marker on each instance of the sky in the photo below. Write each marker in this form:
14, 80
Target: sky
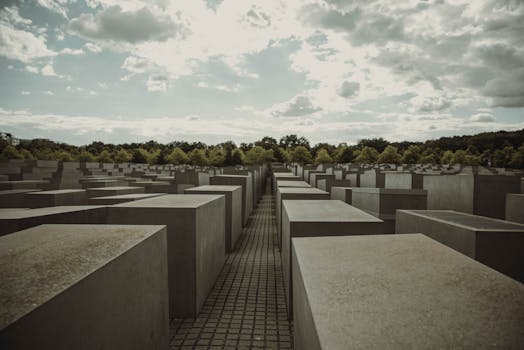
333, 71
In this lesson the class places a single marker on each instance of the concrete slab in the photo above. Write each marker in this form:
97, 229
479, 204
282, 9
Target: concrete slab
233, 218
102, 183
17, 220
247, 191
24, 184
84, 287
155, 186
55, 198
515, 207
344, 194
123, 198
496, 243
113, 191
400, 292
195, 242
383, 202
287, 183
14, 198
294, 193
309, 218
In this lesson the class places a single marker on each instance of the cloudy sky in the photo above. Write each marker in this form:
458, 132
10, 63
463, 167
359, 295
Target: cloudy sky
331, 70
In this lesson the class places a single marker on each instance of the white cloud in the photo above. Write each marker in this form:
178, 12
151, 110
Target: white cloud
220, 87
55, 6
296, 107
21, 45
157, 83
73, 52
49, 93
26, 93
49, 71
133, 27
137, 65
482, 118
32, 69
93, 47
349, 89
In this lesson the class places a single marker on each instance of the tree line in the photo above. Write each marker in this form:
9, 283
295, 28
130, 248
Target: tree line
498, 149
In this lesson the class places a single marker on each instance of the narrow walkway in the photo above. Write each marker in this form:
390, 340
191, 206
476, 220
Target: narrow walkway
246, 308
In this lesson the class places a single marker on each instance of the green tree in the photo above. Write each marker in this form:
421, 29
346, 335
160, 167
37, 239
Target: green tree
389, 155
104, 157
301, 155
140, 155
153, 157
517, 160
198, 157
26, 154
281, 155
217, 156
344, 154
85, 156
123, 156
177, 157
256, 155
237, 157
10, 152
269, 156
447, 157
367, 155
411, 155
503, 157
323, 157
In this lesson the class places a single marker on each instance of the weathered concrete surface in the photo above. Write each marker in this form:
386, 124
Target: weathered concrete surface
515, 207
17, 220
24, 184
123, 198
343, 194
84, 287
383, 202
294, 193
195, 242
373, 178
233, 218
403, 180
309, 218
247, 191
496, 243
55, 198
298, 184
95, 183
14, 198
155, 186
113, 191
473, 194
400, 292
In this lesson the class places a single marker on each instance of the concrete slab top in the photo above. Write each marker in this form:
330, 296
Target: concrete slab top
58, 192
22, 214
130, 196
305, 190
471, 221
112, 188
152, 183
23, 190
25, 182
290, 183
239, 176
38, 263
218, 188
325, 211
173, 201
401, 191
406, 291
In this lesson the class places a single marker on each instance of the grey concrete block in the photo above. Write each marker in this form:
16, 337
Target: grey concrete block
309, 218
403, 180
496, 243
515, 207
14, 198
113, 191
18, 220
344, 194
247, 191
102, 183
84, 287
474, 194
383, 202
400, 292
122, 198
25, 184
233, 218
55, 198
195, 242
294, 193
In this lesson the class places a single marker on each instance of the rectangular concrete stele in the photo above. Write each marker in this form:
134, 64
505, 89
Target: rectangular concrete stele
103, 183
24, 184
55, 198
294, 193
113, 191
515, 207
400, 292
247, 191
496, 243
84, 287
383, 202
342, 193
233, 222
474, 194
298, 184
195, 242
307, 218
17, 220
123, 198
403, 180
155, 186
320, 176
14, 198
